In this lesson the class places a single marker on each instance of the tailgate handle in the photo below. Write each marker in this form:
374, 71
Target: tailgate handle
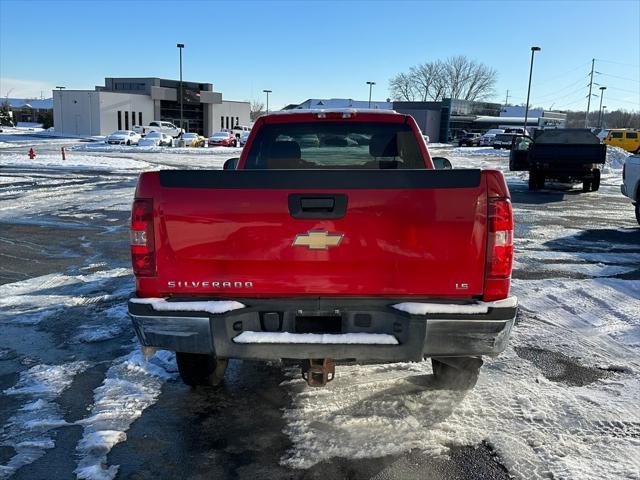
317, 205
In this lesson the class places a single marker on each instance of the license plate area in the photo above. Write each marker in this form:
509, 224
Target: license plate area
318, 323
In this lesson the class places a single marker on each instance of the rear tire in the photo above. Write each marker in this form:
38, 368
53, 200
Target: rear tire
595, 183
638, 211
198, 369
536, 180
586, 185
456, 373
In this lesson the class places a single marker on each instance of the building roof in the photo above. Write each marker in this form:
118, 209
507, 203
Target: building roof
313, 103
46, 103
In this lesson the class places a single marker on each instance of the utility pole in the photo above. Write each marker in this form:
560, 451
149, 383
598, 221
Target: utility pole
602, 89
180, 47
526, 110
371, 84
586, 117
61, 117
506, 100
267, 92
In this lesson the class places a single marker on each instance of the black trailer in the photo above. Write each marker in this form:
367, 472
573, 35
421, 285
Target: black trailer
563, 154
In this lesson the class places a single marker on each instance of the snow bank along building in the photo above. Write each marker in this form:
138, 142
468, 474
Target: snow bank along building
125, 102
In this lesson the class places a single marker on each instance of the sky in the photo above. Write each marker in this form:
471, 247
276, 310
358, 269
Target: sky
309, 49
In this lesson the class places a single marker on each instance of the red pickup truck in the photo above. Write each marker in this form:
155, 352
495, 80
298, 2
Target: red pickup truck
332, 237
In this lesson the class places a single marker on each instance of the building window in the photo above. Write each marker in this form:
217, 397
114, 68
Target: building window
140, 118
126, 120
221, 123
119, 120
133, 118
227, 122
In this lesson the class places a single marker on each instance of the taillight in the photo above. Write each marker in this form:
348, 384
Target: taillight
143, 256
499, 249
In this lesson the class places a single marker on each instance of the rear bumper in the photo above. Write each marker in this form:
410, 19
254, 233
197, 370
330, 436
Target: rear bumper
417, 335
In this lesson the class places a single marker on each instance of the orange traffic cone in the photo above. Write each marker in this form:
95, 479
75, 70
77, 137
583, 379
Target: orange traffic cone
32, 153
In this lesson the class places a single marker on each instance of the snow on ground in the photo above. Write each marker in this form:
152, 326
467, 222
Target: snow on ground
72, 162
132, 384
33, 300
103, 147
31, 430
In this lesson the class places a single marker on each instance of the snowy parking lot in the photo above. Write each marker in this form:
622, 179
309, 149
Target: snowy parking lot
78, 399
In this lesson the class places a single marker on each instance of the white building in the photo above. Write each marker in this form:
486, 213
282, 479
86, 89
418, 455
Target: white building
125, 102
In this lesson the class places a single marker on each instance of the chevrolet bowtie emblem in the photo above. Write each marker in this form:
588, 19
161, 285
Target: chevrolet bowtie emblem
318, 240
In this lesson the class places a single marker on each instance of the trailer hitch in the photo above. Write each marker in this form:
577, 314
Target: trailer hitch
318, 371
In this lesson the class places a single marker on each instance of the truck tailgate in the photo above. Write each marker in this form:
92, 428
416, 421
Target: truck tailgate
356, 232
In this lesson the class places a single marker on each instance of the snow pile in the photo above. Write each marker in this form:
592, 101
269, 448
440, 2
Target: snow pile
478, 152
317, 338
421, 308
104, 147
30, 431
161, 305
131, 385
616, 157
72, 162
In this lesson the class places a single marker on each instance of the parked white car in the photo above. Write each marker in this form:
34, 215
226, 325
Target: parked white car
158, 126
487, 138
156, 139
123, 137
631, 181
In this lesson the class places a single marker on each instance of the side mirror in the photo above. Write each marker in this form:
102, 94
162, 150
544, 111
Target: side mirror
441, 163
230, 164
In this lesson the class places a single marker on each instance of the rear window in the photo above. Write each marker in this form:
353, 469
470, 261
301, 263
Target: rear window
335, 145
632, 135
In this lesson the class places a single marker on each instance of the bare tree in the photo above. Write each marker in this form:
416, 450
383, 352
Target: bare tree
456, 77
256, 108
402, 88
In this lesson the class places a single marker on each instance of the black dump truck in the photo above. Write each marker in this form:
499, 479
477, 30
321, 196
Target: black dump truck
565, 155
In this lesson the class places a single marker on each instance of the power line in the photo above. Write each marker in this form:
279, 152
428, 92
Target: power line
621, 78
618, 63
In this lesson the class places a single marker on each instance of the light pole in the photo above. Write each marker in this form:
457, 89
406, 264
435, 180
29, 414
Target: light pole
180, 47
526, 110
602, 89
267, 92
604, 107
371, 84
61, 117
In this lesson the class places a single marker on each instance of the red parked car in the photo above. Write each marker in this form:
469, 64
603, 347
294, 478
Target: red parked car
368, 251
223, 139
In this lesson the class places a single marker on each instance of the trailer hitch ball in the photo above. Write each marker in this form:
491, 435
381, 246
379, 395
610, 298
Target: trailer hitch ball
318, 371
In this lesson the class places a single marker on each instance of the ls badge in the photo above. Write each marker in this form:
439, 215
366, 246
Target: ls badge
318, 240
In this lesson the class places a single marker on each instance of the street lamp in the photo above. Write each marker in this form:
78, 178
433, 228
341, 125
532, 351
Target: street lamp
180, 47
267, 92
371, 84
61, 117
526, 111
604, 107
602, 89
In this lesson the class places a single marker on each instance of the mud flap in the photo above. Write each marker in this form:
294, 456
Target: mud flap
317, 372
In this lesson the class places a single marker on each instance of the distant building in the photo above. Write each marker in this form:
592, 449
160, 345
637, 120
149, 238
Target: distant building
451, 118
124, 102
30, 111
